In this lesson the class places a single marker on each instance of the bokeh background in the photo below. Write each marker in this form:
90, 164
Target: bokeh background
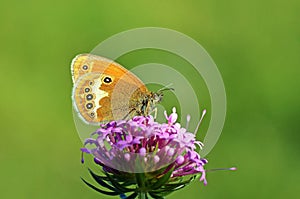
255, 45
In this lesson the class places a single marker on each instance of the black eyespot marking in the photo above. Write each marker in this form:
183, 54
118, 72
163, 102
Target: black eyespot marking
85, 67
107, 80
89, 97
89, 105
91, 83
87, 90
92, 114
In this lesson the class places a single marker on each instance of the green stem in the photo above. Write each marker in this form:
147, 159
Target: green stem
142, 195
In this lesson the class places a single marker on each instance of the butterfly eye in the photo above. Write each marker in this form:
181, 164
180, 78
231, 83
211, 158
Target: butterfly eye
89, 105
87, 90
107, 80
89, 97
85, 67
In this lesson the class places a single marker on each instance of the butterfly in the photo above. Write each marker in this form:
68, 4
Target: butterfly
104, 90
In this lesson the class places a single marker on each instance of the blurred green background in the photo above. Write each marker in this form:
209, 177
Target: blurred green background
255, 45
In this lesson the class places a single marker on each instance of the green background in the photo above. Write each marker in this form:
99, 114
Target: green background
255, 45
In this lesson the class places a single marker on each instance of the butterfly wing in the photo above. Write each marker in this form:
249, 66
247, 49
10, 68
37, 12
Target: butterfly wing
104, 90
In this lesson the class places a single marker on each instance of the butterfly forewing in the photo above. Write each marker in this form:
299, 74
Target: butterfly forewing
104, 90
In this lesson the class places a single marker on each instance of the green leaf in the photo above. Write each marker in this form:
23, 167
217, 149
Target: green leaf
124, 177
155, 196
132, 196
163, 180
129, 182
168, 189
117, 185
99, 190
99, 180
161, 193
183, 183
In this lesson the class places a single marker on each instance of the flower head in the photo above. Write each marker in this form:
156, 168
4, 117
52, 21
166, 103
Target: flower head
144, 156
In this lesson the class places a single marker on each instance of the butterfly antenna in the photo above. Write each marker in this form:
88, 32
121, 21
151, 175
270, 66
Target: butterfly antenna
166, 88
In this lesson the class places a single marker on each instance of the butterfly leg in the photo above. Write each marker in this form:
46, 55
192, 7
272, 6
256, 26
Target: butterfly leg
155, 113
154, 110
127, 116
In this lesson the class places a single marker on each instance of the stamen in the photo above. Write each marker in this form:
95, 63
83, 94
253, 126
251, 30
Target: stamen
198, 125
127, 157
188, 119
222, 169
174, 109
142, 151
84, 150
82, 159
180, 159
171, 152
156, 159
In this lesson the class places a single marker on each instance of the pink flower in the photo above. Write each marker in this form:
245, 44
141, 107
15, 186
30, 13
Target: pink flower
141, 152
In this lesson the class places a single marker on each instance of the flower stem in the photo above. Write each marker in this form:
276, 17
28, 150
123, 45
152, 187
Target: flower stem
142, 195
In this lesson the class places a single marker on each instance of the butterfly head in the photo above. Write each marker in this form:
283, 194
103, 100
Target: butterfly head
157, 97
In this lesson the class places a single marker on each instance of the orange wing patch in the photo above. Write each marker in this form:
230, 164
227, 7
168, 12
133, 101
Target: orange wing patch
104, 90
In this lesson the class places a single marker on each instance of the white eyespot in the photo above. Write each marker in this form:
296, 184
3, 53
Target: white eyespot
89, 97
85, 67
89, 105
87, 89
